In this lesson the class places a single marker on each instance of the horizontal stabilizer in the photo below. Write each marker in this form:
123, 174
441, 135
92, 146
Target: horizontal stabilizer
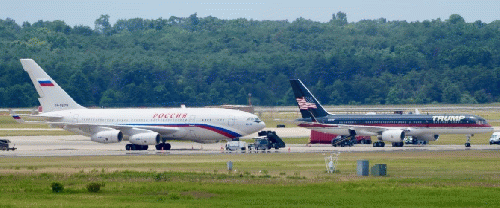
15, 116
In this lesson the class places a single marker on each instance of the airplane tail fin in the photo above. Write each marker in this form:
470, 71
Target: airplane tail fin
308, 105
52, 97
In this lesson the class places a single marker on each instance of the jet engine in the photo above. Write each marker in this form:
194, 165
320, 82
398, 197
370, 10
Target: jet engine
150, 138
393, 135
109, 136
428, 137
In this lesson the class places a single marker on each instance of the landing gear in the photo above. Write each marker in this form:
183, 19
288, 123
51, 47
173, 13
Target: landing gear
397, 144
379, 144
136, 147
163, 146
467, 143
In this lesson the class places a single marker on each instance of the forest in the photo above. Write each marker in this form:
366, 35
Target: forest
209, 61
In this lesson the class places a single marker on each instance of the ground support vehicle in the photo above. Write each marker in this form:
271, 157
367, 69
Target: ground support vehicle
413, 140
343, 141
5, 145
236, 145
326, 138
495, 138
266, 140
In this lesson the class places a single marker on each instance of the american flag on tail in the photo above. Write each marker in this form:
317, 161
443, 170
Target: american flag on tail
306, 103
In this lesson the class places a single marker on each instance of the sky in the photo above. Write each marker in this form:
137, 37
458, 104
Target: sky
85, 12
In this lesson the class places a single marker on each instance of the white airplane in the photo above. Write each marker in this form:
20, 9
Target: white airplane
142, 127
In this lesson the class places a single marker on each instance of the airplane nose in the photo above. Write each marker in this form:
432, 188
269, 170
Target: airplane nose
256, 127
261, 125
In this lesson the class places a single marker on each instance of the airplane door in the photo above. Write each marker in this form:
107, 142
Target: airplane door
191, 120
75, 118
231, 120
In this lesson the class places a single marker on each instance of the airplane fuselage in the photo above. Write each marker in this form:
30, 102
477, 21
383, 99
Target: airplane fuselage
203, 125
412, 124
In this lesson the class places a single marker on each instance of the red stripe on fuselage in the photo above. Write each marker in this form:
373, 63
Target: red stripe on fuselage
226, 134
399, 125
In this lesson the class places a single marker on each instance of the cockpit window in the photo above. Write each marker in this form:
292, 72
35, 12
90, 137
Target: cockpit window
256, 120
481, 121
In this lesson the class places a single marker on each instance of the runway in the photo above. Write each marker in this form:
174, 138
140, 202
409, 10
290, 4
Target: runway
46, 146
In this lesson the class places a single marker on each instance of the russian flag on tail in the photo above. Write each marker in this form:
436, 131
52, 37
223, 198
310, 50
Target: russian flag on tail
45, 83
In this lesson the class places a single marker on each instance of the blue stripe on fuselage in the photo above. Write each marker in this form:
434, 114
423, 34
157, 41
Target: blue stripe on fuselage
219, 130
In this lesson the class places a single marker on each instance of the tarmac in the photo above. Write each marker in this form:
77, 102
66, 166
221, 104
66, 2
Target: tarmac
76, 145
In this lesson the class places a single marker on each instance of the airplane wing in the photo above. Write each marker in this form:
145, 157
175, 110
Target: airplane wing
125, 128
375, 130
360, 129
38, 118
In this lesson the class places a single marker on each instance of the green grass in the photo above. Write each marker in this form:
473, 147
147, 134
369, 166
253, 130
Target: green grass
415, 179
272, 119
460, 139
7, 121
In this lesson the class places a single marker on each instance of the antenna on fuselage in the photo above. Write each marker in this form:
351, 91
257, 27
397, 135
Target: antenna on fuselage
417, 112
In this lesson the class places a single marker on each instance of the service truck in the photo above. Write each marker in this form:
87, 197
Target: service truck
5, 145
266, 140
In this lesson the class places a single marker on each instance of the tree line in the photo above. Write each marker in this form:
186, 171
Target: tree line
208, 61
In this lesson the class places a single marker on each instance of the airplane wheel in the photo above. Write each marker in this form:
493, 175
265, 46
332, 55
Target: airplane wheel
382, 144
467, 144
128, 147
167, 146
159, 146
145, 147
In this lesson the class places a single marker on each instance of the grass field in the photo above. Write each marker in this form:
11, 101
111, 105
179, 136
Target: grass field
415, 179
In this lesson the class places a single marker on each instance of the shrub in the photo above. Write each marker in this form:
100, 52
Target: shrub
161, 177
174, 196
57, 187
94, 187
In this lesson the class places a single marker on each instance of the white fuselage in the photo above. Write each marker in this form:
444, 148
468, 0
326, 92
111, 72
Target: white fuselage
203, 125
411, 131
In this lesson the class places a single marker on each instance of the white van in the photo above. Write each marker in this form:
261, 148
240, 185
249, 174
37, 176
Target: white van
236, 145
495, 138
